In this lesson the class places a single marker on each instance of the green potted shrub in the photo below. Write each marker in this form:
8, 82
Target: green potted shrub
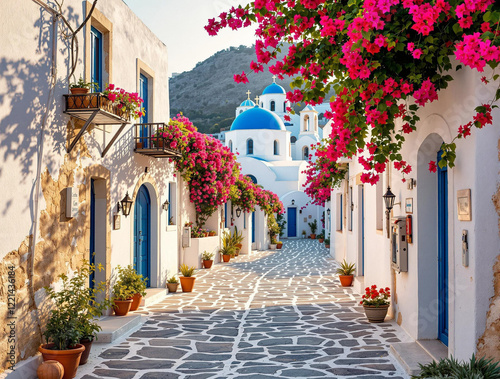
82, 87
346, 273
327, 243
376, 303
123, 294
227, 249
172, 284
135, 282
187, 278
237, 238
279, 245
314, 226
207, 259
274, 231
304, 234
321, 237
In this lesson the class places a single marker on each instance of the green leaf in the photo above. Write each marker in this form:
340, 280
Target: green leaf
487, 16
457, 29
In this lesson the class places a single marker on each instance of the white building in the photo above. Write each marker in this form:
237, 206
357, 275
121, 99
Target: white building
274, 153
447, 291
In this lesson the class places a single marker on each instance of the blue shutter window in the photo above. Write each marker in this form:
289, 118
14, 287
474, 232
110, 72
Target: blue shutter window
96, 57
250, 147
143, 93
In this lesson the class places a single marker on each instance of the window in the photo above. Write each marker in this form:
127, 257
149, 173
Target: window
231, 146
293, 139
253, 179
250, 147
96, 57
339, 212
144, 94
306, 123
172, 200
284, 107
305, 153
273, 106
379, 205
351, 206
225, 215
276, 147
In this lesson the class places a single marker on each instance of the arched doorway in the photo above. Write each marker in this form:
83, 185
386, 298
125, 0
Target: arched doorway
142, 233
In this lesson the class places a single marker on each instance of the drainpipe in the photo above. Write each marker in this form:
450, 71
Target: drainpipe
37, 192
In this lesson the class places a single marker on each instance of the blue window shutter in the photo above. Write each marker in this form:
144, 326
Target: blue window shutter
96, 57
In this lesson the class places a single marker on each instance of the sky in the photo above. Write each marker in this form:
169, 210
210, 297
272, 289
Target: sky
180, 25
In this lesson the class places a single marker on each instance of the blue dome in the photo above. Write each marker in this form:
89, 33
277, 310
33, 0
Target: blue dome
274, 88
257, 118
247, 103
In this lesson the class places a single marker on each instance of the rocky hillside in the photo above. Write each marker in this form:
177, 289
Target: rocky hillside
208, 94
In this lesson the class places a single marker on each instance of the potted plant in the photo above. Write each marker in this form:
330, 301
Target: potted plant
237, 238
304, 234
279, 245
327, 243
206, 257
321, 238
123, 294
228, 249
82, 87
212, 233
314, 226
187, 278
274, 231
172, 284
345, 272
376, 303
134, 281
274, 242
82, 306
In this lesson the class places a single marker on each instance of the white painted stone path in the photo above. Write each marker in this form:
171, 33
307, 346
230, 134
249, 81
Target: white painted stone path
272, 314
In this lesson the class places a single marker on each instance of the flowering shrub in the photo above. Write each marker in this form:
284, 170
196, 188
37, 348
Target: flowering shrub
384, 58
128, 100
376, 297
243, 194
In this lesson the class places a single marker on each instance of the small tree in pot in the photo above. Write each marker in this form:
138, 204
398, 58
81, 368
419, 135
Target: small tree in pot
345, 272
314, 226
123, 293
135, 282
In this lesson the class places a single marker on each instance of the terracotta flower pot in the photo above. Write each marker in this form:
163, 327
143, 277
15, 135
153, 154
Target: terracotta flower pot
346, 280
50, 370
69, 359
226, 257
327, 246
172, 287
187, 283
237, 252
208, 264
136, 302
279, 246
138, 145
313, 236
85, 355
122, 307
239, 246
320, 240
376, 314
79, 91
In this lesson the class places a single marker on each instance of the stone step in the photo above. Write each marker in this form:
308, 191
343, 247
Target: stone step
435, 348
410, 354
114, 327
153, 295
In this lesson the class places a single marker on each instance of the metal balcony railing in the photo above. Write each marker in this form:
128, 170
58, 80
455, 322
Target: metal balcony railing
148, 142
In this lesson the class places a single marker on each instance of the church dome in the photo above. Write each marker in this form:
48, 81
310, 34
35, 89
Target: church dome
247, 103
274, 88
257, 118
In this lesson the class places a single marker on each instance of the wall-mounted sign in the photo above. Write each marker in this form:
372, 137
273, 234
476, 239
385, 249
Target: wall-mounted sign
464, 210
409, 205
116, 222
72, 194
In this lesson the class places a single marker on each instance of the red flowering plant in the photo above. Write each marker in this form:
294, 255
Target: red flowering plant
243, 194
129, 101
376, 297
384, 58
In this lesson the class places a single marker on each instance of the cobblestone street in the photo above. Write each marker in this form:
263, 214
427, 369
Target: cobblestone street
264, 315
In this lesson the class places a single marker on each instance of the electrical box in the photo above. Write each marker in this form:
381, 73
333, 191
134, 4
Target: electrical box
72, 194
186, 236
399, 245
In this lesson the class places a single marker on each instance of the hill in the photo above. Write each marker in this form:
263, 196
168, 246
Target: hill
208, 94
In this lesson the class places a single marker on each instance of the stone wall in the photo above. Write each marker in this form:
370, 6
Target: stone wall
489, 343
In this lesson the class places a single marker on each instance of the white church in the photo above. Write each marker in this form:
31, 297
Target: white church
274, 153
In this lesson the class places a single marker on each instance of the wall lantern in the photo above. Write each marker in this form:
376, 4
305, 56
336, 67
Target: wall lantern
389, 198
238, 212
126, 205
165, 205
328, 212
293, 202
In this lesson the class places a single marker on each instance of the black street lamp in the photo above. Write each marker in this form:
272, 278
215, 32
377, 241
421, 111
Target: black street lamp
126, 205
328, 212
389, 198
238, 212
165, 205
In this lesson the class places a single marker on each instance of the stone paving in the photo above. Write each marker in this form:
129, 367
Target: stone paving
263, 315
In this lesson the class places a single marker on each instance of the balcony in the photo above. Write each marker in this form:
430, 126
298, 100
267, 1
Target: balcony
147, 143
95, 108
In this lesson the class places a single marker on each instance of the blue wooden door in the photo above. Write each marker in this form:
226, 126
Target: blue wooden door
142, 233
92, 232
292, 222
143, 93
253, 227
443, 252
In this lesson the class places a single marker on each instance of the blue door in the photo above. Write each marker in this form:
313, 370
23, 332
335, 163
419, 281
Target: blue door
92, 232
253, 227
142, 233
443, 252
143, 93
292, 222
96, 57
